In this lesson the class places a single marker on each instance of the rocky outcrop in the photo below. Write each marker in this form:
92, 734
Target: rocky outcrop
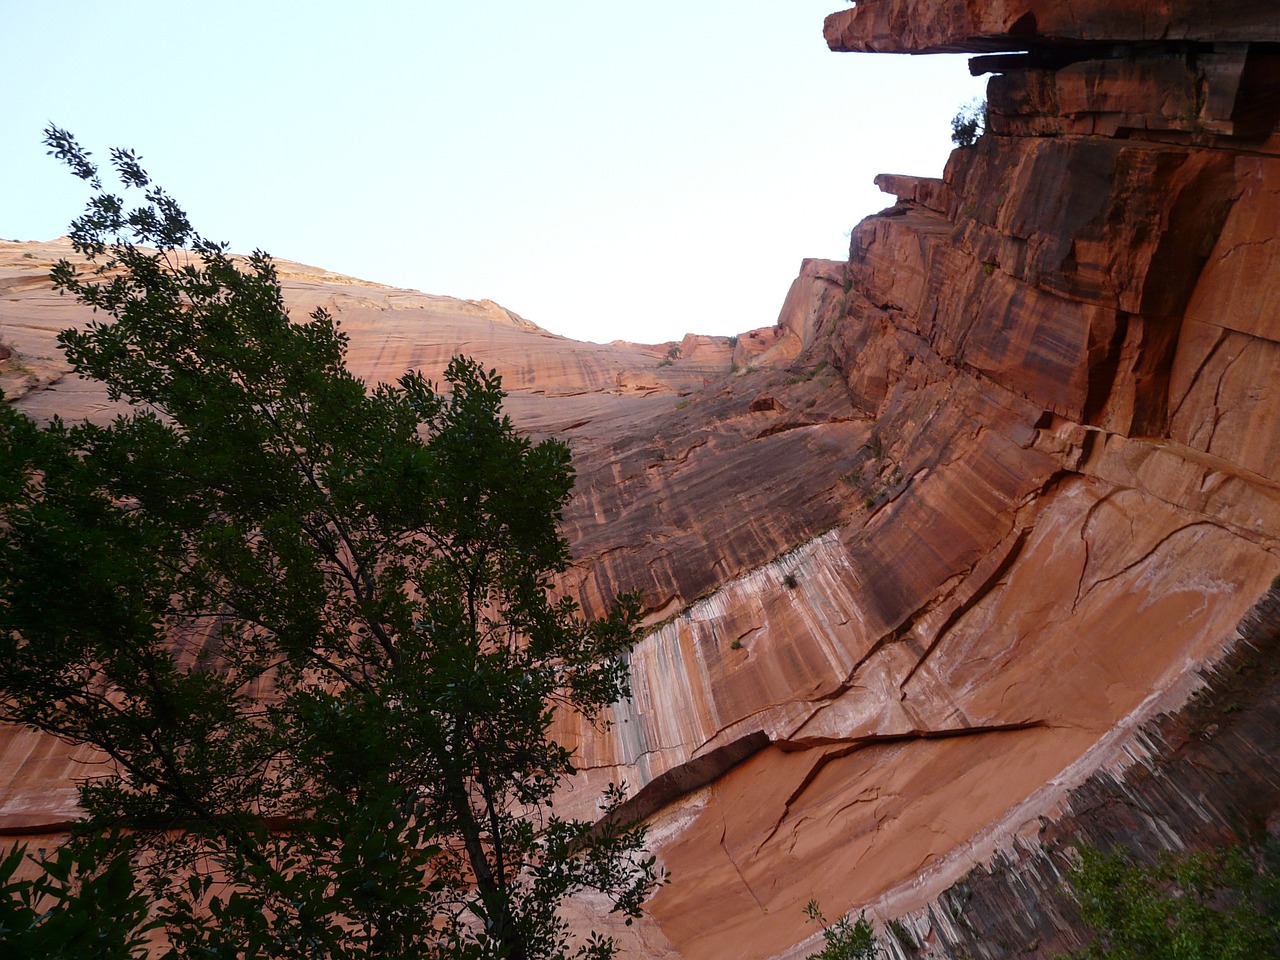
971, 26
1064, 353
941, 558
1202, 774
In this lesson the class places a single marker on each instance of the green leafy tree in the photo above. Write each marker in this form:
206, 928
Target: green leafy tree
1201, 905
845, 939
310, 625
79, 903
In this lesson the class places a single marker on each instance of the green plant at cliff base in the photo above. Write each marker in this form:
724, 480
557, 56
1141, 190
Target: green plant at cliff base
902, 934
307, 625
845, 939
1219, 904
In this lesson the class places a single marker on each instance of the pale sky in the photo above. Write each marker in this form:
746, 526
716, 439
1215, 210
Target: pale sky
606, 170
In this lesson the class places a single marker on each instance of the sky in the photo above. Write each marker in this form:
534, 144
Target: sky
609, 171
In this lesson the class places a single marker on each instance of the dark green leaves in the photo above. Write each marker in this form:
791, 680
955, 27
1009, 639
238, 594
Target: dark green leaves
310, 626
78, 903
845, 939
64, 146
1219, 904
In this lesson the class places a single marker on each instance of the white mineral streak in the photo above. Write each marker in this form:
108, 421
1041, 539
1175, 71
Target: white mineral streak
675, 711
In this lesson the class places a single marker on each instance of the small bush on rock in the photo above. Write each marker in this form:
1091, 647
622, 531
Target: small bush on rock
969, 123
844, 939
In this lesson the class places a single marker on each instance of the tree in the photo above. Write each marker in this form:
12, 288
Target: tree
80, 902
1220, 904
310, 626
845, 939
969, 123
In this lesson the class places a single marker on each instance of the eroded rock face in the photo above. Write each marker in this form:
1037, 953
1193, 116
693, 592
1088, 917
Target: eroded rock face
1203, 774
960, 26
1065, 351
925, 557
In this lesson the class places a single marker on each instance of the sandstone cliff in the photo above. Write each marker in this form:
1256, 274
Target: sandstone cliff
1064, 353
941, 556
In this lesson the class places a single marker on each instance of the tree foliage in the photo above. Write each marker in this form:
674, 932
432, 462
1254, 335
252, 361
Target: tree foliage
1219, 904
79, 902
845, 939
969, 123
310, 625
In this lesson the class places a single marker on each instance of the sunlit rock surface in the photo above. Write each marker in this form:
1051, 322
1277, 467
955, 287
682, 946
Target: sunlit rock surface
943, 548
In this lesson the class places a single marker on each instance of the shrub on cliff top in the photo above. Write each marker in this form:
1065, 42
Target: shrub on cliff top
969, 123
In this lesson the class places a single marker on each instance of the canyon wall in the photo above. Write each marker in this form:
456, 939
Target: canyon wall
938, 568
1061, 360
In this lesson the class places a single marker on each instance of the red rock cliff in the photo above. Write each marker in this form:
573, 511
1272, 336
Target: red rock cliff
931, 556
1064, 354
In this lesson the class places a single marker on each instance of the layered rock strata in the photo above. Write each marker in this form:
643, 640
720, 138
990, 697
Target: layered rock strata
1066, 352
1205, 774
939, 548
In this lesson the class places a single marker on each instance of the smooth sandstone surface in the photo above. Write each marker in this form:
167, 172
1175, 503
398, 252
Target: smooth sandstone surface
920, 559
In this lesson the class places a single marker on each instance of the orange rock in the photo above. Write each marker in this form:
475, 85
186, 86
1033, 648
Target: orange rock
924, 555
978, 26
